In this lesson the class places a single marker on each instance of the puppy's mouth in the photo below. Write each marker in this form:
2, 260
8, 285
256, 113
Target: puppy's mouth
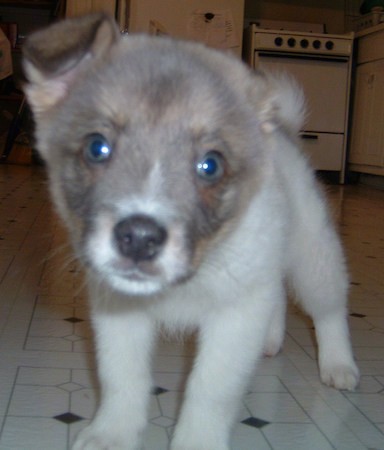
133, 275
129, 269
134, 282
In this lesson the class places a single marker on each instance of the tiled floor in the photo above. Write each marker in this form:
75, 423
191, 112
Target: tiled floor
47, 378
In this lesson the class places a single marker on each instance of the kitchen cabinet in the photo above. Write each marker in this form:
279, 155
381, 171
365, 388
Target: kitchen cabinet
28, 3
76, 7
367, 131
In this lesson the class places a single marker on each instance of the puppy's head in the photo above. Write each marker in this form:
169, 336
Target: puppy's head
154, 147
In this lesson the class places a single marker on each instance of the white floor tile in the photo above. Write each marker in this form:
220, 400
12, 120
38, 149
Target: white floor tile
276, 407
38, 376
33, 433
40, 401
83, 403
47, 366
156, 437
249, 438
284, 436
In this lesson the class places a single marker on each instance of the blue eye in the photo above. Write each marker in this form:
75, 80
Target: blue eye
97, 149
211, 167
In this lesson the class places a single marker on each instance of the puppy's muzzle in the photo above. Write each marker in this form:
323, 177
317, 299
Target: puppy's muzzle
139, 238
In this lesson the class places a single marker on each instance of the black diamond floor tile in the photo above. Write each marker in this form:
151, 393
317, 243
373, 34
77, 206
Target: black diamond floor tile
68, 418
159, 390
255, 422
73, 319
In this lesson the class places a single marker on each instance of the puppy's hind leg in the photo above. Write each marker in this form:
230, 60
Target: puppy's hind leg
321, 282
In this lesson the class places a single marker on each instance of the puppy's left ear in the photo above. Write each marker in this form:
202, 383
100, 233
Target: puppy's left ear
280, 102
55, 56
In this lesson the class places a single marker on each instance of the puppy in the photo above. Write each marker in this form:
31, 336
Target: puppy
177, 172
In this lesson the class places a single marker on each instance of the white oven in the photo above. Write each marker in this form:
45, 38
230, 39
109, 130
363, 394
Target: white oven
321, 64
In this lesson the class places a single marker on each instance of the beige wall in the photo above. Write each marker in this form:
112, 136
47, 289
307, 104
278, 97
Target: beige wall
330, 12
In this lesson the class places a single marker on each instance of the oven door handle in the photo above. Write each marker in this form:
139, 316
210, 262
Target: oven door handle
303, 56
309, 136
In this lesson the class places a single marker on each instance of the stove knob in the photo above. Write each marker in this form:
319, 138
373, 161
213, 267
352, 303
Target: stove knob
279, 41
291, 42
329, 45
316, 44
304, 43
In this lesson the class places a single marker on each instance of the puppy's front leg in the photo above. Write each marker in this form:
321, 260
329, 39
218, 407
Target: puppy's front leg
230, 342
123, 343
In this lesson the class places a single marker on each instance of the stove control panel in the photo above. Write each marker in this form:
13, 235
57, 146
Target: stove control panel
324, 44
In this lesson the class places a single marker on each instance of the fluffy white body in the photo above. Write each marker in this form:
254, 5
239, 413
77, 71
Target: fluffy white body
233, 288
237, 302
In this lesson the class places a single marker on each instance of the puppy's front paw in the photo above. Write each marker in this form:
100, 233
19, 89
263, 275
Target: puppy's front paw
340, 376
272, 348
92, 438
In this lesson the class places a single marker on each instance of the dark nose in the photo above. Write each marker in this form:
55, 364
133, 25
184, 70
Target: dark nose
139, 237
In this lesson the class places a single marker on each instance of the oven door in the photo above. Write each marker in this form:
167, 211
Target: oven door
325, 151
324, 81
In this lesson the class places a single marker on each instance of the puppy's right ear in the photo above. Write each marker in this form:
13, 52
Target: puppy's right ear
54, 56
